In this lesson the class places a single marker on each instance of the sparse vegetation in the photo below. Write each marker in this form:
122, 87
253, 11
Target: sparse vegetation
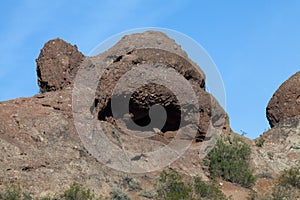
14, 192
290, 178
131, 184
266, 175
287, 188
230, 160
172, 186
77, 192
147, 194
207, 190
259, 142
117, 194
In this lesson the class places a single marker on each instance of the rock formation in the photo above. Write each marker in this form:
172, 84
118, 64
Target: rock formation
279, 147
57, 65
136, 50
42, 152
59, 61
285, 102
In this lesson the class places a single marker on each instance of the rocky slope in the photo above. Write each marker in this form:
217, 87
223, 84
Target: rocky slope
42, 151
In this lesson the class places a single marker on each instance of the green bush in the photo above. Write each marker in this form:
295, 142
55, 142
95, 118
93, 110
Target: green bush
290, 177
14, 192
131, 184
230, 160
147, 194
288, 186
259, 142
77, 192
172, 187
207, 190
117, 194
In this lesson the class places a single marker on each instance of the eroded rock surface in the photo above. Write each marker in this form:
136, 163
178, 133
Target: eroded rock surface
285, 102
57, 65
280, 149
132, 54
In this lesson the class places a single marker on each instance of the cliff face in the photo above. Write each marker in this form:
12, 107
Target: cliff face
42, 150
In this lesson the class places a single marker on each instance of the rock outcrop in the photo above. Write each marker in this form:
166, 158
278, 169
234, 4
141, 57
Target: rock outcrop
285, 102
59, 61
43, 152
278, 149
57, 65
40, 148
156, 50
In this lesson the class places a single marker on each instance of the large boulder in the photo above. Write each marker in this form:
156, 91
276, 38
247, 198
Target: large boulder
285, 102
57, 65
156, 50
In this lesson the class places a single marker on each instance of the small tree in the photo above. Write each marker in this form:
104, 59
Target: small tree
230, 160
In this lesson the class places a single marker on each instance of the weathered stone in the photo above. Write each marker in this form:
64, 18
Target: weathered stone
285, 102
57, 65
156, 50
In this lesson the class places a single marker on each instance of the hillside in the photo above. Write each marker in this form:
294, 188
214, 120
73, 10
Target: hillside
115, 121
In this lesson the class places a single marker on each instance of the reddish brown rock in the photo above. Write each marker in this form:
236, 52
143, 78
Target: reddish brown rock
59, 61
57, 65
285, 102
156, 50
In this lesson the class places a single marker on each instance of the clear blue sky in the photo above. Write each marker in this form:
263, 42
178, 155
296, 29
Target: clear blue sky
255, 44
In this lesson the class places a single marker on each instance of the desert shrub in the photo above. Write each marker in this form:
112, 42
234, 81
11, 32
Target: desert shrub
147, 194
265, 174
285, 192
131, 184
172, 187
14, 192
230, 160
207, 190
77, 192
290, 177
259, 142
117, 194
288, 186
252, 195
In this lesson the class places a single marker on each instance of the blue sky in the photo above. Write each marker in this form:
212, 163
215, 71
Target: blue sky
255, 44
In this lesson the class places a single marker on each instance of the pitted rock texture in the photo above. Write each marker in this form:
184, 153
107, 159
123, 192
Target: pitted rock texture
59, 61
156, 50
57, 65
285, 102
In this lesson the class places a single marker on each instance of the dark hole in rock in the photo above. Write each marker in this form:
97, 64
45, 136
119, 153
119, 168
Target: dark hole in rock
140, 104
105, 112
141, 116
